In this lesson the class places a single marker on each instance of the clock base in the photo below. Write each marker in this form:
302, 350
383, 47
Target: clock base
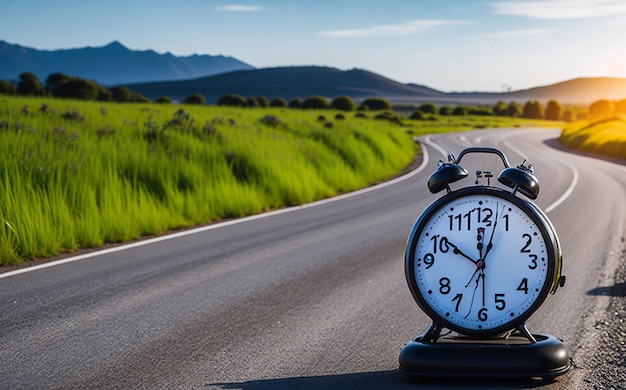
465, 357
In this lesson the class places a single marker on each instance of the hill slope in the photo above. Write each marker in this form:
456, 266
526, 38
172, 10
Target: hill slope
288, 83
111, 64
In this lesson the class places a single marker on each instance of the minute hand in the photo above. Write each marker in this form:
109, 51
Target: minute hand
490, 244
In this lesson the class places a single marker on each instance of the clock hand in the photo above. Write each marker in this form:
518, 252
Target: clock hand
490, 244
457, 251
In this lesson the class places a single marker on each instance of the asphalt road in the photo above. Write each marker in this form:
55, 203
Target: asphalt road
309, 297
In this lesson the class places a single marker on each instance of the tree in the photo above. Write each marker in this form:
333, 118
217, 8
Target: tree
428, 108
601, 109
459, 111
500, 109
164, 100
195, 98
7, 88
232, 100
533, 110
56, 80
295, 103
315, 102
77, 88
554, 111
120, 94
262, 101
513, 110
29, 85
343, 103
278, 102
373, 104
417, 115
445, 110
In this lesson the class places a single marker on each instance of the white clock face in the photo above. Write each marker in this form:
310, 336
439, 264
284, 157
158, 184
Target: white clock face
481, 263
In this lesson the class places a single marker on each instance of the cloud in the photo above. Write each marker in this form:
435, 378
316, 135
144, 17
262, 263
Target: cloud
411, 27
239, 8
518, 33
560, 9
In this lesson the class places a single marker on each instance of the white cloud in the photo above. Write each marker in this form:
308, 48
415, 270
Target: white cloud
560, 9
407, 28
518, 33
239, 8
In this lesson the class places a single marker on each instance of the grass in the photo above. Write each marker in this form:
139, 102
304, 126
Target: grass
606, 137
77, 174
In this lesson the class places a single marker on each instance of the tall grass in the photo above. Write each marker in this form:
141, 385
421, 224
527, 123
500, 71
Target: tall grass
606, 137
79, 174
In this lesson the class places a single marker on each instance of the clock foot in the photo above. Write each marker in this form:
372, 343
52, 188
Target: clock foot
466, 357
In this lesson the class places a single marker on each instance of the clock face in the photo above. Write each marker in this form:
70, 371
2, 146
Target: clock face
480, 261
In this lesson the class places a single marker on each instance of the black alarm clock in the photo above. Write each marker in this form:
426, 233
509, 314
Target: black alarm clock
480, 261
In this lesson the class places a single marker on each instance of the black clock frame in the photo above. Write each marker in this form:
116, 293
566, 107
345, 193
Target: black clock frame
554, 257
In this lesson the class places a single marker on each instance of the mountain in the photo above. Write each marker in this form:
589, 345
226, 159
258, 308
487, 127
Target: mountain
302, 82
113, 64
288, 83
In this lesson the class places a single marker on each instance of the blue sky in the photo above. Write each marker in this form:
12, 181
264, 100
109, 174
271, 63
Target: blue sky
463, 45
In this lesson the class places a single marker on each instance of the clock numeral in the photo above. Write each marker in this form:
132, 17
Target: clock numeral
499, 301
533, 261
523, 286
482, 314
457, 298
486, 218
529, 240
429, 260
444, 286
444, 244
506, 222
461, 221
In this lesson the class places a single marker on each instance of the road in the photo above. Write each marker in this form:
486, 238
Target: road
308, 297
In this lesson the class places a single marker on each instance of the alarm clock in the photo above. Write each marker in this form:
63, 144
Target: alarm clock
480, 261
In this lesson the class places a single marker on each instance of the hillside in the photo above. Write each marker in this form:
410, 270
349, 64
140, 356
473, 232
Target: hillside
302, 82
112, 64
290, 82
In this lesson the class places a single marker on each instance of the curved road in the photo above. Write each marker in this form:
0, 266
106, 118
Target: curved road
307, 297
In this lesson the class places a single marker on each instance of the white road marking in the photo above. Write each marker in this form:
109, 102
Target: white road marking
567, 193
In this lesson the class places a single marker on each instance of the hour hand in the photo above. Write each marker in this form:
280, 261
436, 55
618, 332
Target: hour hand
457, 251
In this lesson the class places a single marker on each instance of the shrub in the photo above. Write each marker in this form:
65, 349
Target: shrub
164, 100
7, 88
374, 104
295, 103
232, 100
417, 115
195, 98
459, 111
343, 103
445, 110
278, 102
315, 102
428, 108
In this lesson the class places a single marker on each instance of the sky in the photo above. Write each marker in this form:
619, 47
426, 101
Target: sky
448, 45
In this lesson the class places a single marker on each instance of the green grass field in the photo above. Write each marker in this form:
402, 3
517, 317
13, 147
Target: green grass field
77, 174
606, 137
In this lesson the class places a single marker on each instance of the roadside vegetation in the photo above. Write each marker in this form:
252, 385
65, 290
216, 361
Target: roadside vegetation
602, 132
79, 174
82, 169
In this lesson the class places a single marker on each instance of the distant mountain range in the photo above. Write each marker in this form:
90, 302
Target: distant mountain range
154, 75
113, 64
